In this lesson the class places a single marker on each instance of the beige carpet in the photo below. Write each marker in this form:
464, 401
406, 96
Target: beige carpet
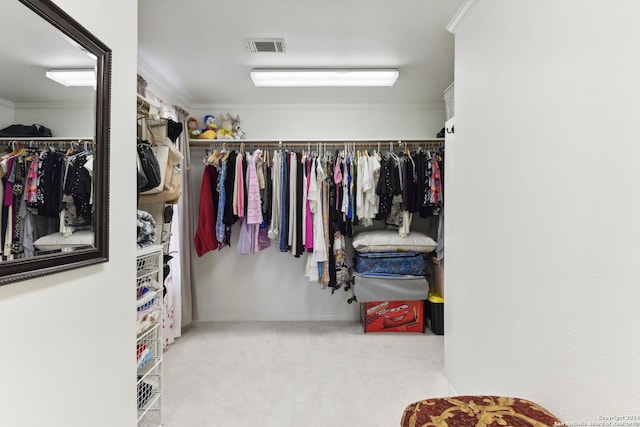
280, 374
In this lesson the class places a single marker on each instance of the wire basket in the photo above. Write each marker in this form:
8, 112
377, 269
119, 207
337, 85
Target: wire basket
149, 385
147, 263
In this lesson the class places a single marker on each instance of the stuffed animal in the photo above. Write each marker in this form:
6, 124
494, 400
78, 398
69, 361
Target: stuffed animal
192, 124
225, 131
237, 132
211, 128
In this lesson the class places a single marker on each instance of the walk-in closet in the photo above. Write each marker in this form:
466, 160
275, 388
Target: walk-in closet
277, 184
347, 213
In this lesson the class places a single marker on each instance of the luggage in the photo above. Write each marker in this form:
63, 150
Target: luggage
402, 263
389, 288
20, 131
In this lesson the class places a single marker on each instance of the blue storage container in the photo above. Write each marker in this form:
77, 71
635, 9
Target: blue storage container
398, 263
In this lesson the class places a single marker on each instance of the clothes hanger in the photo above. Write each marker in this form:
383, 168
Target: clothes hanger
71, 148
406, 151
226, 151
16, 149
211, 158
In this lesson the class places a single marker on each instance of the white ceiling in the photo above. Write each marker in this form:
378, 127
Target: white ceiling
197, 47
29, 46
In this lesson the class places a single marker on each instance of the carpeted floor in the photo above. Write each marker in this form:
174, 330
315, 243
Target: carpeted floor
312, 374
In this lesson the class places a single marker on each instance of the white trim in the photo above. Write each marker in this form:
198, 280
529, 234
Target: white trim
233, 317
7, 104
155, 79
461, 15
407, 106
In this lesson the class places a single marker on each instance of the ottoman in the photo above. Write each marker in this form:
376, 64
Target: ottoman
477, 411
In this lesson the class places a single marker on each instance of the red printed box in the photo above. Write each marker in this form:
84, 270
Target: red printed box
393, 316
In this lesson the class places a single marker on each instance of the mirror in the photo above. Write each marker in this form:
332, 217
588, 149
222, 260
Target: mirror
60, 178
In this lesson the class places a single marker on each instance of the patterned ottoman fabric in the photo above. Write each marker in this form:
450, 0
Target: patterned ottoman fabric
477, 411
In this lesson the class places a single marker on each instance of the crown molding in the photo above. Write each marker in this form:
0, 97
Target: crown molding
342, 107
7, 104
461, 15
54, 105
156, 80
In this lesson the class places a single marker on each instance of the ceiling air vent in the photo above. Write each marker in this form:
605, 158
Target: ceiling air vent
265, 45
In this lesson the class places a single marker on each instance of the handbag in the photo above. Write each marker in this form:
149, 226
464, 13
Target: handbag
149, 166
172, 182
161, 153
169, 159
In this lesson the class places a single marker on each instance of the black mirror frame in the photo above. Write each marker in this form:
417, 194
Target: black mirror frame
27, 268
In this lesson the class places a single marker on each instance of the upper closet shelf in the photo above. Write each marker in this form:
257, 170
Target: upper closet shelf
207, 142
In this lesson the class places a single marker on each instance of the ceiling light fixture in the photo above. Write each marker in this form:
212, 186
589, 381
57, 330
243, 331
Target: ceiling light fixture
73, 77
307, 77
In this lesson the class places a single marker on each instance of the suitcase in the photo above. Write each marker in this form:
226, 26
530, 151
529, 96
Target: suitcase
402, 263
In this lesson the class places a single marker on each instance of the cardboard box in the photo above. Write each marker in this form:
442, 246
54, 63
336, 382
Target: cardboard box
392, 316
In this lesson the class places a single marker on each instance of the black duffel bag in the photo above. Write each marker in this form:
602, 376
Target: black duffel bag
20, 131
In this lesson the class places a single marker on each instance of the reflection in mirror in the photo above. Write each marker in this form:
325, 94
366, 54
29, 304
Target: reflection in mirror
53, 143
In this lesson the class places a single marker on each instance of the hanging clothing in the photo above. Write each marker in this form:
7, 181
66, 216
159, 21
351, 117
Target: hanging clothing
309, 203
205, 238
240, 185
254, 205
293, 179
43, 191
275, 197
298, 246
230, 210
308, 220
221, 188
248, 241
284, 203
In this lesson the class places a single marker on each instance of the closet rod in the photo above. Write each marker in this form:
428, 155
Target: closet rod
206, 143
46, 140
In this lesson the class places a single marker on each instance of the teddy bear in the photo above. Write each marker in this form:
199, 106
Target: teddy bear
237, 132
225, 131
211, 127
192, 124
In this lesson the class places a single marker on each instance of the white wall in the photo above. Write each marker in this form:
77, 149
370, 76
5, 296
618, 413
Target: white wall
271, 285
401, 121
542, 263
68, 339
63, 120
6, 113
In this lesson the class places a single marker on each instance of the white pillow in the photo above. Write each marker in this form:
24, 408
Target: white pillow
391, 241
57, 241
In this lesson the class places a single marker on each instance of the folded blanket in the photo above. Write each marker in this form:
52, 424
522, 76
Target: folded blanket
146, 229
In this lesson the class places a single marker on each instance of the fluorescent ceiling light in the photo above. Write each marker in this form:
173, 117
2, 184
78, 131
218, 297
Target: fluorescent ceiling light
73, 77
323, 77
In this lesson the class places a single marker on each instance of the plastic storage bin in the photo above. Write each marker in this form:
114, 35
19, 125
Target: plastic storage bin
435, 314
392, 316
